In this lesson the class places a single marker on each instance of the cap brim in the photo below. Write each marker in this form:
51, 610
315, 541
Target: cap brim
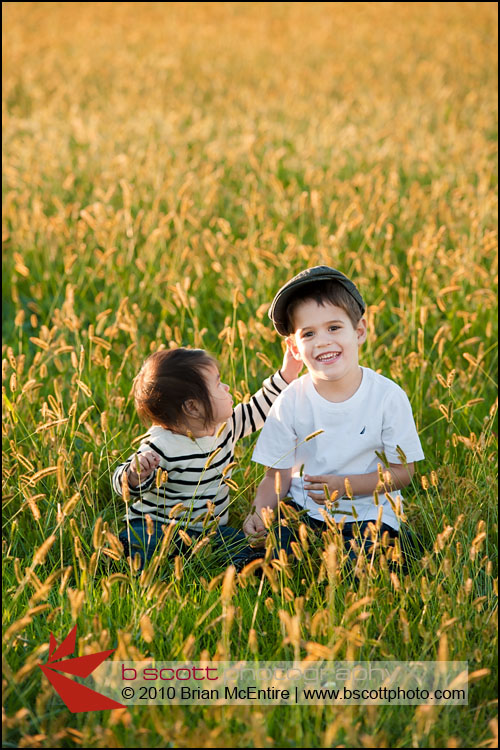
277, 311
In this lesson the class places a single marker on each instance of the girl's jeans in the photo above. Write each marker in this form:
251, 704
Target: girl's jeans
229, 545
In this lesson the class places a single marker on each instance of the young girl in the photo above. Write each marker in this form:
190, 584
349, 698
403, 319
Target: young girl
192, 438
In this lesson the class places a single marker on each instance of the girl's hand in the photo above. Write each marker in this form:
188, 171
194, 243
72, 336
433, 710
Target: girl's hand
144, 464
315, 487
291, 365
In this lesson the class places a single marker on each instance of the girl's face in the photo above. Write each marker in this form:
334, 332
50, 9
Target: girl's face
222, 401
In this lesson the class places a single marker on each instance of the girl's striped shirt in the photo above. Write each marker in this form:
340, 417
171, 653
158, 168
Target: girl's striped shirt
191, 482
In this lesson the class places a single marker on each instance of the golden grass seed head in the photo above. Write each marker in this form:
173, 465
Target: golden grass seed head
450, 378
229, 468
267, 517
395, 581
200, 544
249, 569
11, 358
277, 484
147, 630
135, 563
228, 584
81, 359
178, 567
19, 318
76, 599
33, 507
184, 536
94, 559
242, 329
221, 430
253, 644
348, 488
17, 570
313, 435
211, 458
269, 604
264, 358
61, 474
150, 527
441, 380
97, 536
16, 627
64, 579
41, 552
125, 488
304, 536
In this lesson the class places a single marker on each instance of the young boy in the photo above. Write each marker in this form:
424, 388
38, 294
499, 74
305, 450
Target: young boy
360, 413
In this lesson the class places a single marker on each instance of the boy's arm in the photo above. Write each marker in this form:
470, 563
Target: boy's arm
396, 477
292, 364
250, 417
269, 490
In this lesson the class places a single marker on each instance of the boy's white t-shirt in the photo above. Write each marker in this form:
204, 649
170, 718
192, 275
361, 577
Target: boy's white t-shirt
378, 417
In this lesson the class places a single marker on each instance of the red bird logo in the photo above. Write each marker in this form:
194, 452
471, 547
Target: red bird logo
77, 697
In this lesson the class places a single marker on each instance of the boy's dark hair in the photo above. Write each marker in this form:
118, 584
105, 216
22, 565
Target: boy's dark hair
167, 380
321, 292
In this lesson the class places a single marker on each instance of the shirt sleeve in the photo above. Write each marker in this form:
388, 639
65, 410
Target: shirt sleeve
250, 417
142, 486
277, 441
399, 430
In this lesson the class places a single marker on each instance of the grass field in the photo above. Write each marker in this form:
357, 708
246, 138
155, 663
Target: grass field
167, 166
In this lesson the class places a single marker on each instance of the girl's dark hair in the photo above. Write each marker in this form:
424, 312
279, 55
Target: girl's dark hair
321, 292
167, 380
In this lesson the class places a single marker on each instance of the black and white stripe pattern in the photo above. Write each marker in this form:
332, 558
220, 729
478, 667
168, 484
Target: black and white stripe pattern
185, 459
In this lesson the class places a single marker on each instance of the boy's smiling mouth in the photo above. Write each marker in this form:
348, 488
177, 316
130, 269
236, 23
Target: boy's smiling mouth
328, 357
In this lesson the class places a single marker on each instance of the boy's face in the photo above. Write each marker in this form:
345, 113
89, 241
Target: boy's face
327, 342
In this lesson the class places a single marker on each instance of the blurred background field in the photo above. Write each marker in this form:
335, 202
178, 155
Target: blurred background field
166, 167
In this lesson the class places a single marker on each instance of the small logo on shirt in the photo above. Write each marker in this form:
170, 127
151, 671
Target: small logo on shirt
363, 430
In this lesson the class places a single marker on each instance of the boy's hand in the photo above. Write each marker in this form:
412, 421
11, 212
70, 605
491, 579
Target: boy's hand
291, 365
315, 487
254, 528
148, 463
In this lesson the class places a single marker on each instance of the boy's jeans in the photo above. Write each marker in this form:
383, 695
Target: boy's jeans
229, 545
349, 532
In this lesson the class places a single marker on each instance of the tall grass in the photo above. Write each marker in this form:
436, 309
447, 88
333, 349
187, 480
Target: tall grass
167, 166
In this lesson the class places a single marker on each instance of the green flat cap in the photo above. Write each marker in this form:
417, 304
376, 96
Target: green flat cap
277, 311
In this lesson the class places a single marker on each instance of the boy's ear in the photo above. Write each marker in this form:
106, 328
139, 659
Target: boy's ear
361, 331
290, 341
